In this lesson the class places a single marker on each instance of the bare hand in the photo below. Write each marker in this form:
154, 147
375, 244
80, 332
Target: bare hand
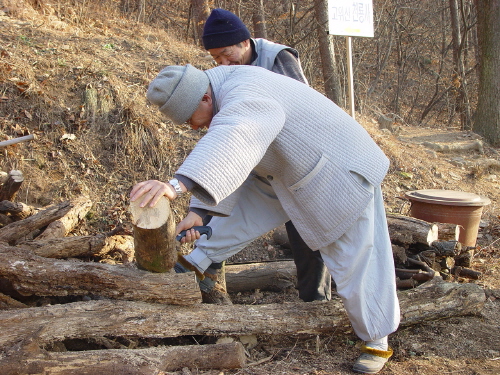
192, 219
153, 191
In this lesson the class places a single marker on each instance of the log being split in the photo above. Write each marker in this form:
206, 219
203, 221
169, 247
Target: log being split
154, 236
30, 274
147, 361
433, 300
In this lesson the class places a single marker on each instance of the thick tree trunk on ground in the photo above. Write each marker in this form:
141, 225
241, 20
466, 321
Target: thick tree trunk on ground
19, 229
30, 274
430, 301
154, 236
64, 225
125, 361
272, 276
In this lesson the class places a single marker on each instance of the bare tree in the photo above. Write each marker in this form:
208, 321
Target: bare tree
201, 12
328, 63
487, 116
259, 20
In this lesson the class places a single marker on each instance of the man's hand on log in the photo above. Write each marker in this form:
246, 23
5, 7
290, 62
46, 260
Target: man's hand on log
152, 190
191, 220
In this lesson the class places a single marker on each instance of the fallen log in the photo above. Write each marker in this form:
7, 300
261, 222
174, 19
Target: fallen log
409, 232
82, 246
19, 229
448, 232
154, 236
30, 274
125, 361
17, 209
272, 276
64, 225
433, 300
11, 186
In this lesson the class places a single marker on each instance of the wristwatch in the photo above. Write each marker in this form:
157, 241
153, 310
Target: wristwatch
177, 187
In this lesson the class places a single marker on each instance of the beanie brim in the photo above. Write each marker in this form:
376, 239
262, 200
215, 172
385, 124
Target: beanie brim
225, 39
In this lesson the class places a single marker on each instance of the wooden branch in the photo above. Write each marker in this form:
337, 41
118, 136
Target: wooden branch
82, 246
407, 231
9, 189
154, 236
61, 227
9, 142
148, 361
17, 230
34, 275
17, 209
432, 300
466, 272
272, 276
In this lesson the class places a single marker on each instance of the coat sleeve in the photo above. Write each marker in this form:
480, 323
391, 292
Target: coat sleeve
238, 137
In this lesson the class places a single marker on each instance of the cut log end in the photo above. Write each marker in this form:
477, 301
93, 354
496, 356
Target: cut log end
150, 217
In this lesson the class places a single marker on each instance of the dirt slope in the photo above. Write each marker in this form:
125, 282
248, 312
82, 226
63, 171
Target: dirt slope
80, 89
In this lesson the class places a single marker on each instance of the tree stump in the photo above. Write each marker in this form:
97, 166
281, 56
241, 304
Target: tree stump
9, 189
154, 236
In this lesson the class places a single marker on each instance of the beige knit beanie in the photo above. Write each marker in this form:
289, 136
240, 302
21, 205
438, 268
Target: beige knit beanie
177, 91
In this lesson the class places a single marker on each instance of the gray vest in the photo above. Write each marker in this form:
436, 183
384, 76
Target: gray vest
267, 51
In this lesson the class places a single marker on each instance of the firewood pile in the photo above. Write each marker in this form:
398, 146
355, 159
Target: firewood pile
61, 311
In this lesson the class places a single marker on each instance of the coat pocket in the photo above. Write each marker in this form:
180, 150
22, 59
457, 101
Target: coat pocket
298, 185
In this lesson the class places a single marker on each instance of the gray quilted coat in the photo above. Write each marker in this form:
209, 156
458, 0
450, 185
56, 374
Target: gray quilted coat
300, 141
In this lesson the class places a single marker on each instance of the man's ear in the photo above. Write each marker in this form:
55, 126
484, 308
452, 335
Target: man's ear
207, 97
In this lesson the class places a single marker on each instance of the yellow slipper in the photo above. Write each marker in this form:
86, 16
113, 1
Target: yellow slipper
371, 360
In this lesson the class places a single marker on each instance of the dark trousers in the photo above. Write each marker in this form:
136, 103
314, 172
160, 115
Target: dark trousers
313, 279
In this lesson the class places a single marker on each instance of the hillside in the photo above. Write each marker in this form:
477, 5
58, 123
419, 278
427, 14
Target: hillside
80, 89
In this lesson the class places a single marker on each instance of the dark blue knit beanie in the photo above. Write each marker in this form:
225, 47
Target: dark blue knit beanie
223, 29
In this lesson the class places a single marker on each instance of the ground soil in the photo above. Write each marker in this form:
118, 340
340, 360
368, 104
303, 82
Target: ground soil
47, 67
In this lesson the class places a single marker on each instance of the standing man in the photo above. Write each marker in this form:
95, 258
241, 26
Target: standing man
323, 172
228, 41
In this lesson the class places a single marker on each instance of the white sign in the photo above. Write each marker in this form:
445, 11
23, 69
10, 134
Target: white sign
350, 17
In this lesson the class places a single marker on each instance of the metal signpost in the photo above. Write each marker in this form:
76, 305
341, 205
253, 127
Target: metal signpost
350, 18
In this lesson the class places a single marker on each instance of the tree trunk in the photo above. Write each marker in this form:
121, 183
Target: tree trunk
259, 20
431, 301
201, 11
487, 116
30, 274
154, 236
327, 53
148, 361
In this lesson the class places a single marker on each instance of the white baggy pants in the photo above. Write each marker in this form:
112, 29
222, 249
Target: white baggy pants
360, 261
